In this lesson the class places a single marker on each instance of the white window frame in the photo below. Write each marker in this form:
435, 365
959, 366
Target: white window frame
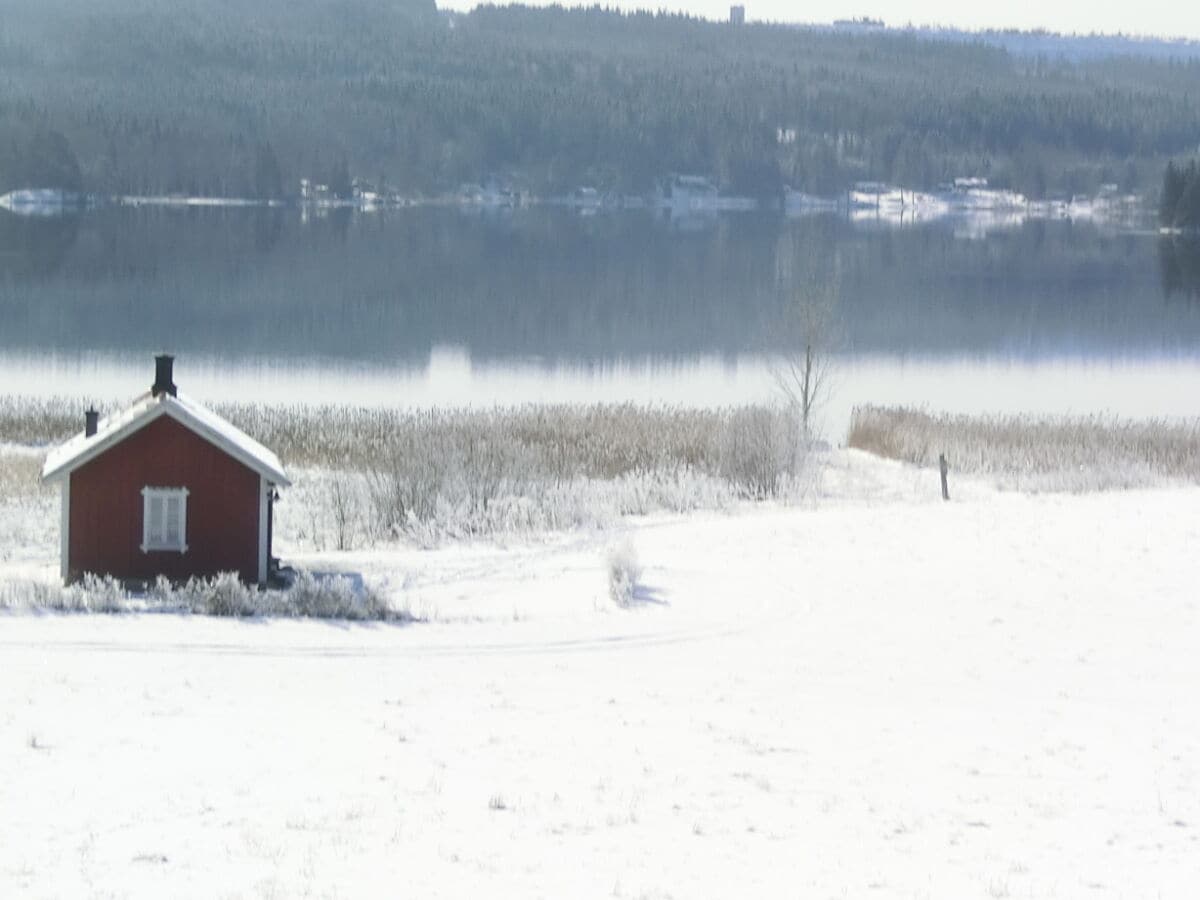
152, 543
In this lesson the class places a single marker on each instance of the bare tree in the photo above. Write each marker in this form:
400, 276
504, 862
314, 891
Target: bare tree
803, 368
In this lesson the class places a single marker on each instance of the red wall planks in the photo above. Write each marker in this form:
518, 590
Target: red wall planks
106, 507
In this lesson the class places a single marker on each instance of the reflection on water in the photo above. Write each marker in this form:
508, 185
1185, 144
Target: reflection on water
434, 306
1179, 259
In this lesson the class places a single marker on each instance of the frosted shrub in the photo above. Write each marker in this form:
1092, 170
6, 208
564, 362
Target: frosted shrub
38, 595
329, 597
757, 450
468, 474
92, 594
100, 593
624, 572
222, 595
309, 596
332, 597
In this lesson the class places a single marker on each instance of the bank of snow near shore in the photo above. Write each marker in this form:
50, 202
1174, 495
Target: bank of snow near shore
877, 694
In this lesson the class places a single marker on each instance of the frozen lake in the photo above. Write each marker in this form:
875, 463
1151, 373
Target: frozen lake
448, 307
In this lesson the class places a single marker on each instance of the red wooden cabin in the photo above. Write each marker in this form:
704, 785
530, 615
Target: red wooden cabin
165, 487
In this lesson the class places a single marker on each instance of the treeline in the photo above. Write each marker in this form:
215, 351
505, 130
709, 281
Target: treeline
198, 96
32, 155
1180, 203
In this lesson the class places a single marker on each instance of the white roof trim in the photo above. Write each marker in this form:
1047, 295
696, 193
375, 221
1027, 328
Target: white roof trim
115, 428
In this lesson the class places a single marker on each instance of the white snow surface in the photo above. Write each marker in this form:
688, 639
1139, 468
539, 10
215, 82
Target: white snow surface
880, 695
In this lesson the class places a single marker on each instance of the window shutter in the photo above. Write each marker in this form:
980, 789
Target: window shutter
173, 530
157, 514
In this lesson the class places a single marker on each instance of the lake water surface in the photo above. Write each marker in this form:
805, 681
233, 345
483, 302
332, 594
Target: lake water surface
436, 306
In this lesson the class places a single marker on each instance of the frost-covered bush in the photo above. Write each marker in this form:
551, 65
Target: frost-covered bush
328, 509
29, 594
1052, 453
333, 597
624, 572
481, 473
28, 509
221, 595
310, 596
432, 476
92, 594
102, 593
759, 450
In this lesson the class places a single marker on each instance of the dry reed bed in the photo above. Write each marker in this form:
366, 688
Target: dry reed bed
39, 421
1056, 453
366, 474
20, 475
598, 441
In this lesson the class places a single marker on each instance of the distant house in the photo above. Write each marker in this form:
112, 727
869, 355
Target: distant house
165, 487
312, 192
586, 196
687, 191
40, 201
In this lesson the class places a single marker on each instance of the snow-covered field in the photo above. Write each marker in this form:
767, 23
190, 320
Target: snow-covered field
873, 695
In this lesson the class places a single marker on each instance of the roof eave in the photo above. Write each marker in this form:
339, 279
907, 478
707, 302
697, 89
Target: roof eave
169, 406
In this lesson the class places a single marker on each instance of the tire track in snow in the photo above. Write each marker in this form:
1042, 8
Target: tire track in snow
768, 617
416, 651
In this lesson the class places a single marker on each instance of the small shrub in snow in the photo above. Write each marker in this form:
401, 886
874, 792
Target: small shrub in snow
102, 593
624, 572
92, 594
21, 595
333, 597
222, 595
759, 450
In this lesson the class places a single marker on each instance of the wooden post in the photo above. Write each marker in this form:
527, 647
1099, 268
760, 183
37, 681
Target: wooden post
945, 468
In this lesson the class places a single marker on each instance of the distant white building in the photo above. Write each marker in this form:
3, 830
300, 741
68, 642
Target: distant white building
39, 201
585, 196
687, 192
311, 192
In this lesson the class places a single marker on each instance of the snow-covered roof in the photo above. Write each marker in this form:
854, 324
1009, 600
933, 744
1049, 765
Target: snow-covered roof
113, 429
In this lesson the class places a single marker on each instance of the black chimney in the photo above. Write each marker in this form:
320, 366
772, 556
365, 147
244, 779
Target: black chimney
91, 420
163, 375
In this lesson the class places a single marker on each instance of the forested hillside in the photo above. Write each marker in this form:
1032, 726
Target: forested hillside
225, 98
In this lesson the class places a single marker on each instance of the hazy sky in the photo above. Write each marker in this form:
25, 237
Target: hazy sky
1171, 18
